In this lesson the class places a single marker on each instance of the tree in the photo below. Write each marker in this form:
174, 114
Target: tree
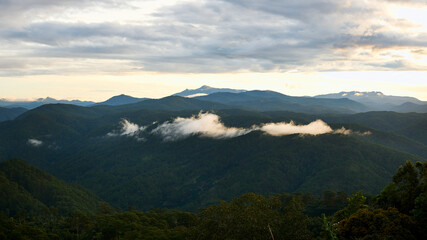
295, 223
355, 202
404, 189
78, 221
328, 229
246, 217
378, 224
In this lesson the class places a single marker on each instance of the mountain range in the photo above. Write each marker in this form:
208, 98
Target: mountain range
379, 101
180, 152
190, 152
39, 102
343, 102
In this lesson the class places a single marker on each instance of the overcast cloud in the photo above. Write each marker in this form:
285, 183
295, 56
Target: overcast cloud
47, 37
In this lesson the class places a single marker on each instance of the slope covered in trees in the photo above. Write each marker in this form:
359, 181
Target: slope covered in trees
399, 212
26, 189
74, 144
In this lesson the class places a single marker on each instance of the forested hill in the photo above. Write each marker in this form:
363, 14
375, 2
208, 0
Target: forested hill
187, 154
398, 212
115, 152
24, 188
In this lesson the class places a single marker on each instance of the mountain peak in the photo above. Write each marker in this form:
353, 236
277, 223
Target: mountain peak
46, 99
205, 90
121, 96
121, 99
204, 87
360, 94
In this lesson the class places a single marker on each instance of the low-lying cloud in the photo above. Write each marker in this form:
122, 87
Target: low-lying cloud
204, 124
210, 125
280, 129
314, 128
34, 142
128, 129
345, 131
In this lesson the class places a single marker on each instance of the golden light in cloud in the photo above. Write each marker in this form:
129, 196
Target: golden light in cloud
413, 14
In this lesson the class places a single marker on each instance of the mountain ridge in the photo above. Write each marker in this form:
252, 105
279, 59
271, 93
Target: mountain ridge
376, 100
33, 190
41, 101
274, 101
121, 99
95, 147
368, 101
205, 90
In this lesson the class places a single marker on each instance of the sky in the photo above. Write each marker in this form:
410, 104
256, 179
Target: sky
92, 50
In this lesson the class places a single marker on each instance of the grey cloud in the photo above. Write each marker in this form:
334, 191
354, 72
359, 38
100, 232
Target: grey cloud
381, 40
20, 12
395, 64
219, 36
296, 9
60, 33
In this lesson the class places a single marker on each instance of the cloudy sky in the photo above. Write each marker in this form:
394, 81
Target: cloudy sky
92, 50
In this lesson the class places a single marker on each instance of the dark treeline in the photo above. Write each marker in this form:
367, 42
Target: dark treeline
398, 212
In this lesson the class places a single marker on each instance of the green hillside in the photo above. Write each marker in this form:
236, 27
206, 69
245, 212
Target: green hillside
72, 143
198, 171
412, 125
26, 188
398, 212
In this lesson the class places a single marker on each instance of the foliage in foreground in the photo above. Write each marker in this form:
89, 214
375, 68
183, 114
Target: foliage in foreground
399, 212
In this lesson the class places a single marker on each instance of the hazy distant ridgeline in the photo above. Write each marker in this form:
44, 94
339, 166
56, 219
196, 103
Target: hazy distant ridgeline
343, 102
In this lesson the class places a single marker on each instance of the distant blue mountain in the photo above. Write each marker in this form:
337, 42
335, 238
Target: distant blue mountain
343, 102
10, 113
205, 90
411, 107
375, 100
121, 100
274, 101
41, 101
174, 103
